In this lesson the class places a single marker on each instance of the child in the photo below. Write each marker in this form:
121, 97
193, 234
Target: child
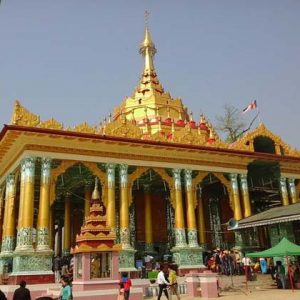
121, 292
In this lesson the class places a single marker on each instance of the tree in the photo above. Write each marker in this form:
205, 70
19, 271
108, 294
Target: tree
230, 123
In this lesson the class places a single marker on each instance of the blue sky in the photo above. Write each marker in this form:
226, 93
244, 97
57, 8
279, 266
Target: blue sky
76, 60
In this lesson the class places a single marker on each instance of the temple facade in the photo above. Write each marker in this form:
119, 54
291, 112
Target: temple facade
168, 183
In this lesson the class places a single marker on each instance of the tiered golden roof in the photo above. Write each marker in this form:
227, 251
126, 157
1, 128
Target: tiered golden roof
152, 114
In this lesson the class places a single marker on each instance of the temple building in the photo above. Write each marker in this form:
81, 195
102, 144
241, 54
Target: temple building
168, 183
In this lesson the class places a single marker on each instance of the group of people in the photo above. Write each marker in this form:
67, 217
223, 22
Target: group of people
224, 261
63, 267
167, 282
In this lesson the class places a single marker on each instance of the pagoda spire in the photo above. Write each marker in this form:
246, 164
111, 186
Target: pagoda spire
147, 47
149, 83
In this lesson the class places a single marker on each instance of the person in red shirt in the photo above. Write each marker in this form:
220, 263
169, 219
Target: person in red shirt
125, 280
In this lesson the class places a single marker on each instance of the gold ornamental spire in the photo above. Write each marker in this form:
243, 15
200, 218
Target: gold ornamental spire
96, 194
147, 47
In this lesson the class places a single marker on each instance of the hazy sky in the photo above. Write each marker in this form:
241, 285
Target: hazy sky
76, 60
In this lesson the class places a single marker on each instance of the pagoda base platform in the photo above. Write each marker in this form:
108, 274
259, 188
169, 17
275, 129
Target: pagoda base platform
33, 277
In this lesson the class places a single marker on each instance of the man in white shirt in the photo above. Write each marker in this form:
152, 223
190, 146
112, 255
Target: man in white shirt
246, 261
162, 282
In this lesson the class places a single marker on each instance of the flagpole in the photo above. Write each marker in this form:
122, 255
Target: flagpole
259, 119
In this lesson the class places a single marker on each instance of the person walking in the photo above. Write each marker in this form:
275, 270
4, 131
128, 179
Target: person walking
125, 280
280, 274
22, 293
121, 292
66, 292
173, 283
162, 282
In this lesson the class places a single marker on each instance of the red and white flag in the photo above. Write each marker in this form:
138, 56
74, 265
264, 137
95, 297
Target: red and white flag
251, 106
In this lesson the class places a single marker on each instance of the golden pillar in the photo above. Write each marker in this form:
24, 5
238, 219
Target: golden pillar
236, 197
148, 220
245, 194
180, 236
8, 240
26, 209
111, 202
44, 206
191, 217
283, 191
292, 190
21, 201
124, 208
67, 225
201, 220
87, 198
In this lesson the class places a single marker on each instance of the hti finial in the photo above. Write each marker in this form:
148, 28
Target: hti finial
146, 16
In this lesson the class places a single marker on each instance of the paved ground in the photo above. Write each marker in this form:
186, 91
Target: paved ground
263, 288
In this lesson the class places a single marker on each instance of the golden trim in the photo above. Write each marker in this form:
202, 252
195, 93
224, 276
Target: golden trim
85, 128
51, 124
23, 117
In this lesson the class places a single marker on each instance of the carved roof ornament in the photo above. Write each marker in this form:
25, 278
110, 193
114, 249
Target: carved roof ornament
188, 136
294, 152
159, 137
261, 131
23, 117
51, 124
123, 128
85, 128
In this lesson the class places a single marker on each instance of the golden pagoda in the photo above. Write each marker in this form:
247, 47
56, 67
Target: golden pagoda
95, 251
167, 181
95, 235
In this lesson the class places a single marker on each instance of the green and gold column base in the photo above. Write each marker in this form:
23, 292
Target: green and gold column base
180, 237
24, 240
8, 244
43, 240
32, 262
126, 260
192, 238
188, 258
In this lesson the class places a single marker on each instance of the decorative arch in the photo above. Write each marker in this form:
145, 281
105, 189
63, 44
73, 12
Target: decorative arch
220, 176
161, 172
65, 165
247, 141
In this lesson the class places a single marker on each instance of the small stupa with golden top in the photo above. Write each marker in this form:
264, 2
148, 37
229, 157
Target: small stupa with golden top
96, 255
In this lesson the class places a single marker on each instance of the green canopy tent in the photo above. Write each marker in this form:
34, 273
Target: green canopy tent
284, 248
